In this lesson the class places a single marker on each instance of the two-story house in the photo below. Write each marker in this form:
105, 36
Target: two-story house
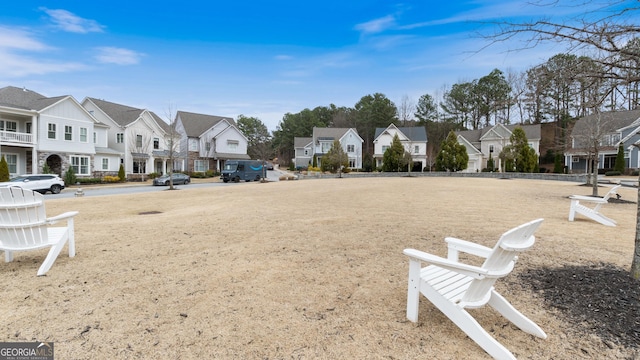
609, 129
36, 130
488, 142
413, 139
139, 135
320, 143
209, 140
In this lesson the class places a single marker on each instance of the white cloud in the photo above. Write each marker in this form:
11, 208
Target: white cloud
14, 64
119, 56
70, 22
19, 40
377, 25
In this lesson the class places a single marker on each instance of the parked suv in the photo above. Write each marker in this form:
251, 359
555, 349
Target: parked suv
37, 182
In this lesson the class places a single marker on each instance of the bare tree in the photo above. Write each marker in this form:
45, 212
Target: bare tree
406, 110
172, 141
606, 36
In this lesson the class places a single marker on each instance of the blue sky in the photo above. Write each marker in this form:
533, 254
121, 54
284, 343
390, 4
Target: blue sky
255, 58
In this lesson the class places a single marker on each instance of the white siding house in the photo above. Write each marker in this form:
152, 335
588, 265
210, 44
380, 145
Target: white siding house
138, 134
488, 142
210, 140
38, 130
321, 142
413, 139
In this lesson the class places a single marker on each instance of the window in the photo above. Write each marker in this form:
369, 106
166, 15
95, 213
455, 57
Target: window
201, 165
83, 135
105, 164
232, 144
12, 161
326, 147
352, 163
119, 138
351, 148
156, 143
384, 148
416, 149
193, 144
575, 159
138, 141
490, 148
28, 128
68, 133
139, 167
6, 125
80, 164
207, 146
95, 138
51, 131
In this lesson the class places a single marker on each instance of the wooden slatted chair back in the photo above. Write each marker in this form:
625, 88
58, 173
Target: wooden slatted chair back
500, 262
22, 219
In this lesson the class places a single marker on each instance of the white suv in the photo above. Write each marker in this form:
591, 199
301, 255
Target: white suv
37, 182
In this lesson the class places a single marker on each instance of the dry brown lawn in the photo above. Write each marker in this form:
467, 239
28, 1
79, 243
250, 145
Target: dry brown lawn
302, 270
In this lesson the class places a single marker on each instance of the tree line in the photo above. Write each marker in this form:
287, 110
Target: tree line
560, 90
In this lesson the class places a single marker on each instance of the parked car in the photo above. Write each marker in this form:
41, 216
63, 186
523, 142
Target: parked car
37, 182
269, 165
178, 178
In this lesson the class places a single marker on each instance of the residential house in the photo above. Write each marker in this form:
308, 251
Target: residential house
488, 142
610, 129
413, 139
139, 135
321, 142
36, 130
303, 152
209, 140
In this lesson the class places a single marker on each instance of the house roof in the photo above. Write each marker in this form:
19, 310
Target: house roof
413, 133
123, 115
300, 142
196, 124
26, 99
615, 120
329, 133
473, 136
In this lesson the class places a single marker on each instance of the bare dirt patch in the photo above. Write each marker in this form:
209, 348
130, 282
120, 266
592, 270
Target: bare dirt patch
314, 269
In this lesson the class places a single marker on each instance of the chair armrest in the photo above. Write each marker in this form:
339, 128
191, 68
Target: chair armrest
593, 199
67, 215
456, 245
468, 270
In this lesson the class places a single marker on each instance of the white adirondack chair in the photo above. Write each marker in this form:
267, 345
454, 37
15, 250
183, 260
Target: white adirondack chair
593, 212
453, 286
25, 226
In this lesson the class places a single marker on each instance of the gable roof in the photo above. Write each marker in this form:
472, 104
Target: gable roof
615, 120
25, 99
196, 124
473, 136
300, 142
123, 115
413, 133
329, 133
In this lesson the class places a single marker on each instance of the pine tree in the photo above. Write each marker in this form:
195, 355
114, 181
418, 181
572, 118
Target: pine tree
4, 170
619, 164
121, 173
452, 156
392, 159
335, 159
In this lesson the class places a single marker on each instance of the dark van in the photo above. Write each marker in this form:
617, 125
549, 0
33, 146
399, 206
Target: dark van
247, 170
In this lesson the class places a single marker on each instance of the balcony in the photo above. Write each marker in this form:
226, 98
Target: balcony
13, 137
